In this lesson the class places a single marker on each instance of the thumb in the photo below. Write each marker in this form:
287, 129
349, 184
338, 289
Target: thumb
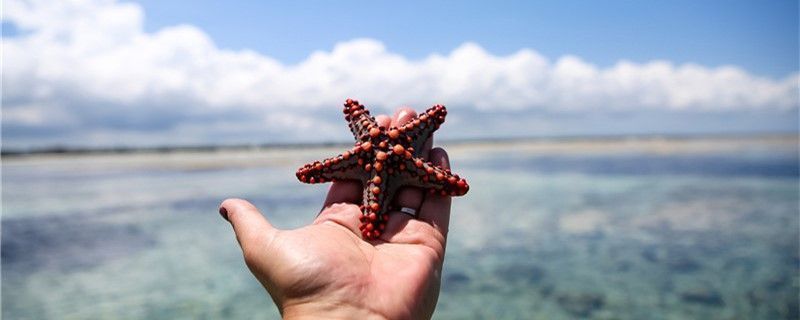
252, 230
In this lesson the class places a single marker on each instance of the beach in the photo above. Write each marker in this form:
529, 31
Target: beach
602, 228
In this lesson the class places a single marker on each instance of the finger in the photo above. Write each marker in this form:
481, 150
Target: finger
345, 215
346, 191
383, 121
402, 115
251, 228
409, 197
436, 208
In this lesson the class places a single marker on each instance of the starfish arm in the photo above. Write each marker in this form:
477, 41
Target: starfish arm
341, 167
376, 192
358, 119
426, 175
419, 129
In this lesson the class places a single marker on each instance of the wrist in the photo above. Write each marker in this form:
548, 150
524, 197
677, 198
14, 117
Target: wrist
318, 310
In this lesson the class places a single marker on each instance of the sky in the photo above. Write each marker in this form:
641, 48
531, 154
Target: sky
150, 73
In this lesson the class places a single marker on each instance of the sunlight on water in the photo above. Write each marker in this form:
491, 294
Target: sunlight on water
603, 230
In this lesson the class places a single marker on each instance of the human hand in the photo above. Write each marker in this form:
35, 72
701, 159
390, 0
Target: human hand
326, 270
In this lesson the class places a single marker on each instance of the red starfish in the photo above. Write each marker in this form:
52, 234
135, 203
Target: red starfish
385, 160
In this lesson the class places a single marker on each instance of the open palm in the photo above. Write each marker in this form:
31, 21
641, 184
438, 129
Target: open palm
327, 270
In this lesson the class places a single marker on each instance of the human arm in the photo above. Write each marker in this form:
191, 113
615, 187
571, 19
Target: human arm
326, 270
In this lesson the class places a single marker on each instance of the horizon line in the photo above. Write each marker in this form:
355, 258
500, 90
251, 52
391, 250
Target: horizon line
78, 150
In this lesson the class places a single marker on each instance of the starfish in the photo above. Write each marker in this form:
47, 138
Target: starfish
385, 160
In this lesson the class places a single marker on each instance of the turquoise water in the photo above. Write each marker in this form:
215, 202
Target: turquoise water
561, 230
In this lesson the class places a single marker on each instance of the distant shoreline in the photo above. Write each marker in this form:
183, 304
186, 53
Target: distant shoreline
67, 150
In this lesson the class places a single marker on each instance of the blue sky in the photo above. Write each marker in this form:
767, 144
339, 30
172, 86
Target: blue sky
759, 36
129, 73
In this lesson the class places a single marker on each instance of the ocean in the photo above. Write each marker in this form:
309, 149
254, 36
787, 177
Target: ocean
623, 228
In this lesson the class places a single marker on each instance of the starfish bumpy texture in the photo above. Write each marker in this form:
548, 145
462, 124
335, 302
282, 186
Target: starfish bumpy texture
385, 160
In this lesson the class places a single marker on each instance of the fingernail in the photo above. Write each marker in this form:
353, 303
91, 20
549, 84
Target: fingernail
224, 213
403, 113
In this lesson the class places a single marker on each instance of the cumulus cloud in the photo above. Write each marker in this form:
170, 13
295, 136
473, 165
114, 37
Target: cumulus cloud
87, 68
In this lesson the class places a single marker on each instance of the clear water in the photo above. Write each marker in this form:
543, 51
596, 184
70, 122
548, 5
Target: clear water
601, 230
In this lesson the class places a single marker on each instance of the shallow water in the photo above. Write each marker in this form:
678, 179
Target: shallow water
603, 230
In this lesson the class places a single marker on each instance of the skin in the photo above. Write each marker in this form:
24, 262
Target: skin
326, 271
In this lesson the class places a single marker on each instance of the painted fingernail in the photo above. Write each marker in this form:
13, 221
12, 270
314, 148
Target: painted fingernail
224, 213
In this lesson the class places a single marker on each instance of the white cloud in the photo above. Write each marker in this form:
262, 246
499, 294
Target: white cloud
87, 65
